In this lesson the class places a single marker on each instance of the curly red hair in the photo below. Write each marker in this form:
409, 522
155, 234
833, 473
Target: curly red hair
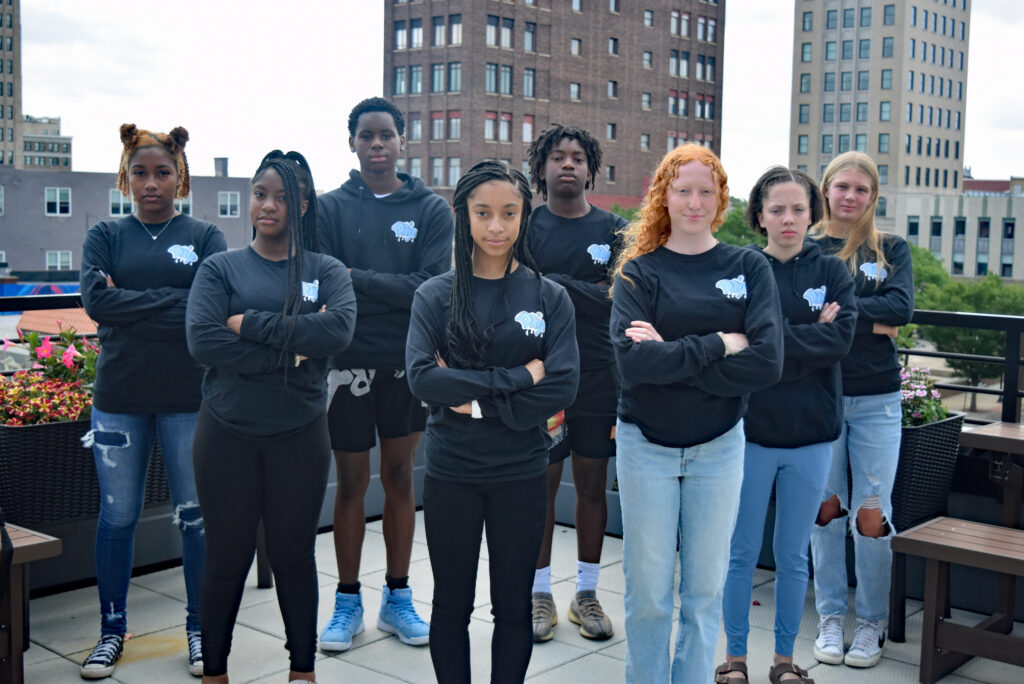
653, 227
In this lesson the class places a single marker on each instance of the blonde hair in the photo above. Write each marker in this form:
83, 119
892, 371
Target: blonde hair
172, 143
863, 232
653, 226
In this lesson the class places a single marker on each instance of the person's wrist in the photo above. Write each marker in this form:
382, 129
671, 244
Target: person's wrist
725, 343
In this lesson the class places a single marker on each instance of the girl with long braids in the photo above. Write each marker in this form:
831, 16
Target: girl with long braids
869, 443
136, 275
492, 351
264, 320
696, 327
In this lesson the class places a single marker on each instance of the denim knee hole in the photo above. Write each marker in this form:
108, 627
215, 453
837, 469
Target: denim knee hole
187, 516
106, 440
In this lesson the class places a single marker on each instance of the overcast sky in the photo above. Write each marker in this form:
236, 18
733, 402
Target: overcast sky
248, 77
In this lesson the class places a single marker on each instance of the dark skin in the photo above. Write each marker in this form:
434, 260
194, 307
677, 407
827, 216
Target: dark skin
565, 175
376, 143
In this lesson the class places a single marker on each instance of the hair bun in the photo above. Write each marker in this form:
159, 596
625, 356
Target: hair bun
128, 132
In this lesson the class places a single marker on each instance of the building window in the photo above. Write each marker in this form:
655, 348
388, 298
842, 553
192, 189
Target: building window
805, 113
846, 80
437, 171
832, 19
913, 228
673, 102
527, 128
649, 18
505, 83
415, 33
454, 125
491, 32
860, 142
613, 46
880, 207
507, 26
645, 101
574, 91
490, 78
530, 37
801, 144
865, 16
645, 142
57, 201
712, 26
883, 175
454, 171
119, 204
415, 79
401, 36
887, 47
830, 83
439, 29
575, 45
889, 15
884, 111
415, 167
227, 204
862, 111
58, 260
184, 205
844, 142
576, 5
886, 79
437, 125
847, 49
437, 78
529, 83
848, 15
399, 87
828, 113
883, 143
701, 25
830, 51
826, 143
844, 112
863, 80
505, 127
613, 5
454, 77
609, 131
647, 59
414, 127
455, 29
805, 83
490, 119
609, 174
808, 21
613, 88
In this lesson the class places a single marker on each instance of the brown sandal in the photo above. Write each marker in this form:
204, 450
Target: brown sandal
776, 672
726, 668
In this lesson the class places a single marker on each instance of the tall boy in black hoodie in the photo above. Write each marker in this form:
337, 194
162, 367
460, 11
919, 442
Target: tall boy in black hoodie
393, 232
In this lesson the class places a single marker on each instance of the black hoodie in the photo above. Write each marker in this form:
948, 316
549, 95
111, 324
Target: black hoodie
392, 245
806, 406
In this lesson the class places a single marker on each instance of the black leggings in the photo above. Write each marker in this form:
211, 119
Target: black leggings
242, 480
455, 515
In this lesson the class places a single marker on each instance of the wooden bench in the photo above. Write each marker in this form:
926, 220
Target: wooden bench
28, 546
941, 541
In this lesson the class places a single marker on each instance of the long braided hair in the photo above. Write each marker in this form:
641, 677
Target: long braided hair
467, 344
302, 228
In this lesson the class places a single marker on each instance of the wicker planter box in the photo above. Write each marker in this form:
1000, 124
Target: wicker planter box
928, 456
48, 477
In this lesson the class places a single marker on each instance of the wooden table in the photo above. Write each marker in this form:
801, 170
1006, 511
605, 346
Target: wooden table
28, 546
1005, 442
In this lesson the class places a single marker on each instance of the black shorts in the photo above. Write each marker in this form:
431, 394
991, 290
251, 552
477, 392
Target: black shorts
365, 402
589, 428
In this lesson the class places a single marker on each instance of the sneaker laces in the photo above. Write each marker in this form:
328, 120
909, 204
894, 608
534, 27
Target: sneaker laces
830, 633
341, 618
543, 609
403, 609
865, 639
195, 647
106, 650
589, 607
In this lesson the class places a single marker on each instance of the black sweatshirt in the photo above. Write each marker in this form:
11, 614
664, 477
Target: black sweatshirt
685, 391
392, 245
245, 387
534, 321
806, 406
144, 365
578, 254
872, 366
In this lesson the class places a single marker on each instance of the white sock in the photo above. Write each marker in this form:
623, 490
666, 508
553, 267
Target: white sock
542, 580
586, 575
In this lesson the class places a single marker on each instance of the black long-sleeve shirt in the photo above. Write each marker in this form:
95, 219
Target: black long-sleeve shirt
806, 407
578, 254
392, 244
533, 319
144, 364
685, 391
872, 366
245, 387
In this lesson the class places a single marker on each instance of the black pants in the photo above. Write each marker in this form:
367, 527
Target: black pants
242, 480
455, 515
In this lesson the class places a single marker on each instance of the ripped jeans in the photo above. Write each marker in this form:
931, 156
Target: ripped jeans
870, 444
121, 446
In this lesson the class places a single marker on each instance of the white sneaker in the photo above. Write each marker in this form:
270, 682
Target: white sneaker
828, 647
868, 641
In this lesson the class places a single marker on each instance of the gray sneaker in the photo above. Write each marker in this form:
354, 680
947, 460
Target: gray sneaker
585, 610
545, 617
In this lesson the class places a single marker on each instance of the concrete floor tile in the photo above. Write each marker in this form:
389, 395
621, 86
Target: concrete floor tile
335, 670
593, 668
56, 671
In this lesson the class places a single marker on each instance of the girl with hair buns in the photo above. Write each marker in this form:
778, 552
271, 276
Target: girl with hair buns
135, 277
264, 320
870, 438
696, 327
492, 351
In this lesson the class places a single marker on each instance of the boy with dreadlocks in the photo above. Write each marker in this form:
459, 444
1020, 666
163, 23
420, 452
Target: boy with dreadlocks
264, 321
492, 350
393, 233
136, 275
575, 244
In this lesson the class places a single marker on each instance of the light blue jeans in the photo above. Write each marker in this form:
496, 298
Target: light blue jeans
799, 475
668, 496
870, 444
121, 446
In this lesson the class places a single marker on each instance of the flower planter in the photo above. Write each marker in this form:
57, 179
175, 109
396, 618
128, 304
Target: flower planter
928, 456
48, 477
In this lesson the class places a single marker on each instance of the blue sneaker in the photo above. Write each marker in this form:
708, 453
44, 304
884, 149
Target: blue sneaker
346, 622
398, 616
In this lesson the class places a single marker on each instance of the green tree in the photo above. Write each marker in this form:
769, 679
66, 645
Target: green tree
734, 230
628, 213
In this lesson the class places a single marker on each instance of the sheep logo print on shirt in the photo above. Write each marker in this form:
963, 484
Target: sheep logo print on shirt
733, 288
311, 291
357, 379
183, 254
405, 231
600, 253
532, 322
815, 297
872, 272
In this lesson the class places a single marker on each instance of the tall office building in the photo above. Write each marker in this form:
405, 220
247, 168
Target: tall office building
10, 83
885, 78
480, 79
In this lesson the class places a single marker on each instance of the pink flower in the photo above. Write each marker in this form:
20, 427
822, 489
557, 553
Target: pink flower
6, 345
935, 393
921, 393
68, 357
45, 349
